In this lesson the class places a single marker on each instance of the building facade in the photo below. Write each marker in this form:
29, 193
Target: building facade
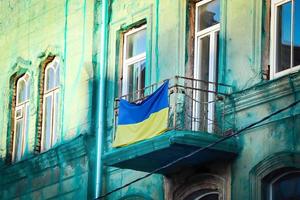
47, 78
66, 65
230, 64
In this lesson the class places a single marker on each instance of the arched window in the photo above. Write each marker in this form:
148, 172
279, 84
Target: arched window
284, 186
203, 186
21, 117
51, 92
208, 194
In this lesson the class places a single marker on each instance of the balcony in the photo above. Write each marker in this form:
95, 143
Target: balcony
196, 119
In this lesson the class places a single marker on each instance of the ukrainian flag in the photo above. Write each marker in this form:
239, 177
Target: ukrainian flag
144, 120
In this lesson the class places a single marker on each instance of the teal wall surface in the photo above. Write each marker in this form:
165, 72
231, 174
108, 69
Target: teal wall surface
243, 46
29, 32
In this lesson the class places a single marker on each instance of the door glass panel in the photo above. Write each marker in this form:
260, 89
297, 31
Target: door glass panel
284, 37
287, 188
204, 44
136, 79
297, 33
136, 43
208, 15
18, 140
47, 123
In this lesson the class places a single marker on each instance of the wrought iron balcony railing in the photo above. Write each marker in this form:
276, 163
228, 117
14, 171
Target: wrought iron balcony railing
194, 104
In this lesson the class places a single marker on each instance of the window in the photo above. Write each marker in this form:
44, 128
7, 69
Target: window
284, 186
206, 63
134, 62
50, 104
203, 195
21, 117
285, 37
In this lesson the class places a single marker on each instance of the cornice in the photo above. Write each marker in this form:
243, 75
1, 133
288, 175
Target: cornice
263, 93
71, 150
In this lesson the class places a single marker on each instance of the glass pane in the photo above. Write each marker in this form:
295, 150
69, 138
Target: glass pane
204, 53
136, 79
287, 187
50, 78
18, 140
27, 89
56, 118
297, 33
47, 123
208, 15
209, 197
283, 37
204, 194
57, 76
19, 112
27, 110
136, 43
21, 89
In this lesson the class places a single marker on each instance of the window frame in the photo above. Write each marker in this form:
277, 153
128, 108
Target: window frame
274, 44
270, 191
24, 107
211, 32
53, 92
126, 62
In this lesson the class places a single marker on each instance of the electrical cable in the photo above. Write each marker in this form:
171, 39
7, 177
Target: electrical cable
201, 149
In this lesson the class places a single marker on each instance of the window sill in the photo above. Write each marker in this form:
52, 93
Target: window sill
286, 72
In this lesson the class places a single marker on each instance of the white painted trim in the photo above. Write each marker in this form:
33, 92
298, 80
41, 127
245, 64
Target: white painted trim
273, 42
206, 194
212, 79
134, 30
207, 31
129, 61
210, 32
200, 3
54, 108
135, 59
23, 106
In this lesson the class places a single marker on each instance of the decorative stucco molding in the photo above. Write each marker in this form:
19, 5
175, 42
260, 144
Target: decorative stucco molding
270, 164
263, 93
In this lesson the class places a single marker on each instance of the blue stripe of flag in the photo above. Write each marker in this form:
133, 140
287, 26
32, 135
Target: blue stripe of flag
131, 113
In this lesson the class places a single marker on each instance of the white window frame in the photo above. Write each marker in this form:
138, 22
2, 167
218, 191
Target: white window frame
273, 45
53, 92
212, 33
130, 61
206, 194
23, 107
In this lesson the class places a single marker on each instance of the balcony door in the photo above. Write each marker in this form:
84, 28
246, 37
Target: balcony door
206, 64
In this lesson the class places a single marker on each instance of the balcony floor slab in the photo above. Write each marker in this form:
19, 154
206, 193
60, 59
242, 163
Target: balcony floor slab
156, 152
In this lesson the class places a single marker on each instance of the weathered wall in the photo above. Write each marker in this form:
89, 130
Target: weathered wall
278, 135
244, 56
243, 26
29, 32
165, 58
60, 173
